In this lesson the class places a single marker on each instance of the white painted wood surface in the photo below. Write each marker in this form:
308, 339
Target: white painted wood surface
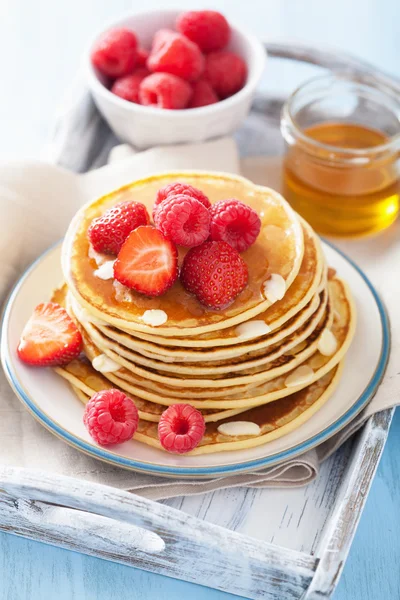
168, 541
299, 524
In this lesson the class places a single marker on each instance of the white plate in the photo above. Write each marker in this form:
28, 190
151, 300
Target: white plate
52, 402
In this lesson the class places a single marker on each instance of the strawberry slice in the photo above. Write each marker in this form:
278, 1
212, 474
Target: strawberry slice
147, 262
50, 338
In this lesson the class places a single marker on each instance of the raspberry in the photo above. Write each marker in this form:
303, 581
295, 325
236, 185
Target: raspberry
114, 54
226, 72
183, 220
141, 57
165, 91
234, 223
203, 94
127, 87
215, 273
176, 54
181, 428
206, 28
173, 189
108, 232
111, 417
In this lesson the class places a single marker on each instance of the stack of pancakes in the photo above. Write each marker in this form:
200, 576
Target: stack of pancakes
256, 370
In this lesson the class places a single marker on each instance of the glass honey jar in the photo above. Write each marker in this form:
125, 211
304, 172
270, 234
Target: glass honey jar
341, 169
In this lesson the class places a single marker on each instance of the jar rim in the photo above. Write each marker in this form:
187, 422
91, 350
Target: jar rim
366, 80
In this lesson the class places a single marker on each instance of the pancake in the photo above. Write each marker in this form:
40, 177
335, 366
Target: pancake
274, 420
254, 394
213, 353
246, 361
270, 360
252, 374
311, 276
278, 250
83, 377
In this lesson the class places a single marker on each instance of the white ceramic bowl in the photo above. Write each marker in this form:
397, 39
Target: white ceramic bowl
145, 126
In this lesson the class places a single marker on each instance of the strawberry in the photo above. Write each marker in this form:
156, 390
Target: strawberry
108, 232
215, 273
147, 262
50, 337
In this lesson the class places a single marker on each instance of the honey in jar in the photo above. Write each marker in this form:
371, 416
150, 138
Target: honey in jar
342, 175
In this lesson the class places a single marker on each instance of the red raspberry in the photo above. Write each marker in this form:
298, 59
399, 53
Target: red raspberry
128, 87
114, 53
235, 223
181, 428
226, 72
111, 417
183, 220
141, 57
215, 272
206, 28
173, 189
203, 94
108, 232
176, 54
165, 91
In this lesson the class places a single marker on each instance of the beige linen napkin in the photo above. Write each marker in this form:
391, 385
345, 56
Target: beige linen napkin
37, 200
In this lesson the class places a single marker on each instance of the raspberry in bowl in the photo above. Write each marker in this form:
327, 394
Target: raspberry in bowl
183, 98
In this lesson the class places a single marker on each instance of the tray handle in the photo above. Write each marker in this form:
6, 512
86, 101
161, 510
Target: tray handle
327, 58
107, 534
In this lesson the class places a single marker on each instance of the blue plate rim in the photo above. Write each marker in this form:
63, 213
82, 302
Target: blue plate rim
183, 471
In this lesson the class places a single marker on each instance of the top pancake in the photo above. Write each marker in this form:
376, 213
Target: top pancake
278, 250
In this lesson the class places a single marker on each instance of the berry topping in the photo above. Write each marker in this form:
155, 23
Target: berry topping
173, 189
235, 223
147, 262
203, 94
108, 232
176, 54
111, 417
50, 338
206, 28
181, 428
183, 220
127, 87
164, 90
141, 57
226, 72
114, 54
215, 273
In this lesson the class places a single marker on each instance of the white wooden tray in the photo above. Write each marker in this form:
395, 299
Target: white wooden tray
273, 544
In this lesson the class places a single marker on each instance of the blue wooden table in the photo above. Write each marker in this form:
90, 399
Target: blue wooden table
34, 571
38, 58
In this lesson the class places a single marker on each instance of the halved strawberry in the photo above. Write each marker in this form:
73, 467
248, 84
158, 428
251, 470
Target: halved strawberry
147, 262
50, 338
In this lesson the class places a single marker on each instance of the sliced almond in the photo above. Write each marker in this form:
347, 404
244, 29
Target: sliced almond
238, 428
106, 270
154, 317
122, 293
105, 364
317, 361
274, 288
327, 343
97, 256
252, 329
299, 376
